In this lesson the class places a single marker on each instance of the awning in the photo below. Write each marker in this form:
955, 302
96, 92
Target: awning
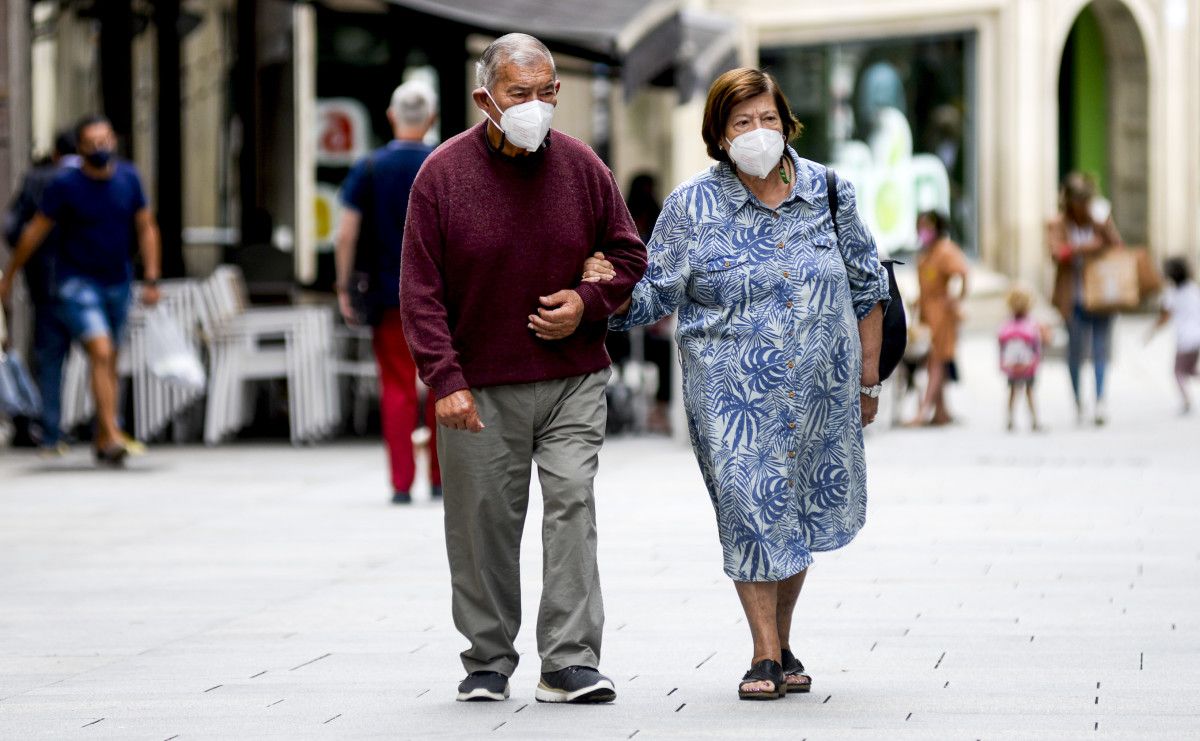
640, 38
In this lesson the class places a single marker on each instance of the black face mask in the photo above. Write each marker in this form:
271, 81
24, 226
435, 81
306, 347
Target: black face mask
99, 158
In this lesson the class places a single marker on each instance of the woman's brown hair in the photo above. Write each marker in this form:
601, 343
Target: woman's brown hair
730, 90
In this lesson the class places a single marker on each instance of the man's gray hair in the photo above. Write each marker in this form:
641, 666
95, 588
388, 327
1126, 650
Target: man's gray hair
520, 49
413, 103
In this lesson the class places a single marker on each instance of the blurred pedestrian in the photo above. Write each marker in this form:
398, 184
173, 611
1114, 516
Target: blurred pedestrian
1021, 341
1181, 307
779, 334
51, 337
1080, 232
942, 277
500, 221
99, 210
645, 208
368, 250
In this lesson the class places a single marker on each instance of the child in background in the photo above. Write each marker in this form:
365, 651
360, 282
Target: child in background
1020, 353
1181, 307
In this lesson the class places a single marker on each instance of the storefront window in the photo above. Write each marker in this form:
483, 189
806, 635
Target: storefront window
896, 118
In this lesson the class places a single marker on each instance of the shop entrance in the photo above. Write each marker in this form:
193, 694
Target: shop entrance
1103, 104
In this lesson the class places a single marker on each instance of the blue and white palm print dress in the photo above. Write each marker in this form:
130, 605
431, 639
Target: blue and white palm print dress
769, 303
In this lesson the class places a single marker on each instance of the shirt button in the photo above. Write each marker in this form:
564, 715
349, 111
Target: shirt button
775, 214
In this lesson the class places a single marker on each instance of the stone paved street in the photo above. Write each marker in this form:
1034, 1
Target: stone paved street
1007, 585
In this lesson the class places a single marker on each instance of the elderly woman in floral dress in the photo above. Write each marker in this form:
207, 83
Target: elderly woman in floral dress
780, 323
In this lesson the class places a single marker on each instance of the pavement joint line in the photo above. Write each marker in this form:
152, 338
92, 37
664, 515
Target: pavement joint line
908, 716
422, 693
939, 661
681, 707
332, 719
622, 625
1141, 661
635, 676
499, 726
210, 689
418, 648
947, 684
172, 738
275, 703
673, 691
255, 676
94, 722
706, 658
873, 645
633, 734
313, 661
431, 627
520, 708
827, 699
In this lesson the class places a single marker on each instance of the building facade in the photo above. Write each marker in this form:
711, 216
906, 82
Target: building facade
1009, 95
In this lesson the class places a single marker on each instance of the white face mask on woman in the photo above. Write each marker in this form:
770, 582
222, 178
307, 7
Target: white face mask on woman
525, 125
757, 152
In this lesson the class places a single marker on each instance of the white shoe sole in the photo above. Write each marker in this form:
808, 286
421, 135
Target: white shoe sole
602, 691
482, 694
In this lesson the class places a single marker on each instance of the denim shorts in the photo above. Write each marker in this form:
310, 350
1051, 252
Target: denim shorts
91, 309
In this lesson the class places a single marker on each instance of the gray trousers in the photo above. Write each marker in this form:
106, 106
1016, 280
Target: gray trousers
485, 481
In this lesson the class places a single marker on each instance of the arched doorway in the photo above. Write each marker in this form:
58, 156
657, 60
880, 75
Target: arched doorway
1103, 100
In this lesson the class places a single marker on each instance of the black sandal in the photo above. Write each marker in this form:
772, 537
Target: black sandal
764, 671
792, 665
111, 457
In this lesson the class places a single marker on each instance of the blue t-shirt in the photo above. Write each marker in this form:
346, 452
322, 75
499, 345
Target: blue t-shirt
393, 169
94, 219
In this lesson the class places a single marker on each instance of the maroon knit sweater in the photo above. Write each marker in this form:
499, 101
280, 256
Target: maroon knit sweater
485, 236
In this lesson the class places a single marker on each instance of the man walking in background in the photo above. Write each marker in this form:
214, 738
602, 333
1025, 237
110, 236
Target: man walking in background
51, 338
368, 246
500, 221
98, 209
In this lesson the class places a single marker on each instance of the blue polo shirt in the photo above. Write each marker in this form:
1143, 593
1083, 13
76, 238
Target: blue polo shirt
392, 171
94, 220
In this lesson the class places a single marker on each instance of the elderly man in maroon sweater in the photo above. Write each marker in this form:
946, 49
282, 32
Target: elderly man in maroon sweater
511, 340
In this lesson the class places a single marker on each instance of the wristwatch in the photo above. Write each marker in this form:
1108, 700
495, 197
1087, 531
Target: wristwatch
871, 391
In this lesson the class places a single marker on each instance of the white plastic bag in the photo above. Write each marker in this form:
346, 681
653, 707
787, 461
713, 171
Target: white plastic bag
171, 358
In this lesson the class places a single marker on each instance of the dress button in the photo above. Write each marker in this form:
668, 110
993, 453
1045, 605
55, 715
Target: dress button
791, 364
791, 425
726, 263
789, 304
775, 214
791, 454
791, 394
786, 274
779, 246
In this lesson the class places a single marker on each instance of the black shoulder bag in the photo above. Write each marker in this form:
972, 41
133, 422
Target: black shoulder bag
364, 278
895, 326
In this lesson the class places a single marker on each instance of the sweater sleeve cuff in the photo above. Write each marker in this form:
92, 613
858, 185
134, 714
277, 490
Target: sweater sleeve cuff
593, 302
448, 383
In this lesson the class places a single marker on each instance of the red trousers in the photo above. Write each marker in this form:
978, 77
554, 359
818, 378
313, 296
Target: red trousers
398, 403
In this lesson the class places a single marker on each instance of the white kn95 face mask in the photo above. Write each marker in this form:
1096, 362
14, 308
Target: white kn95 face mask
525, 124
757, 152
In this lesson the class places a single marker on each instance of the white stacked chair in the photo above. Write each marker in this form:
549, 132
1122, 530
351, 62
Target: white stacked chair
300, 353
155, 403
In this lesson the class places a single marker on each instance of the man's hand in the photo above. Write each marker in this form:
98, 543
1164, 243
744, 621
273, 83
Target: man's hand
344, 306
150, 294
457, 411
557, 323
596, 269
869, 407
